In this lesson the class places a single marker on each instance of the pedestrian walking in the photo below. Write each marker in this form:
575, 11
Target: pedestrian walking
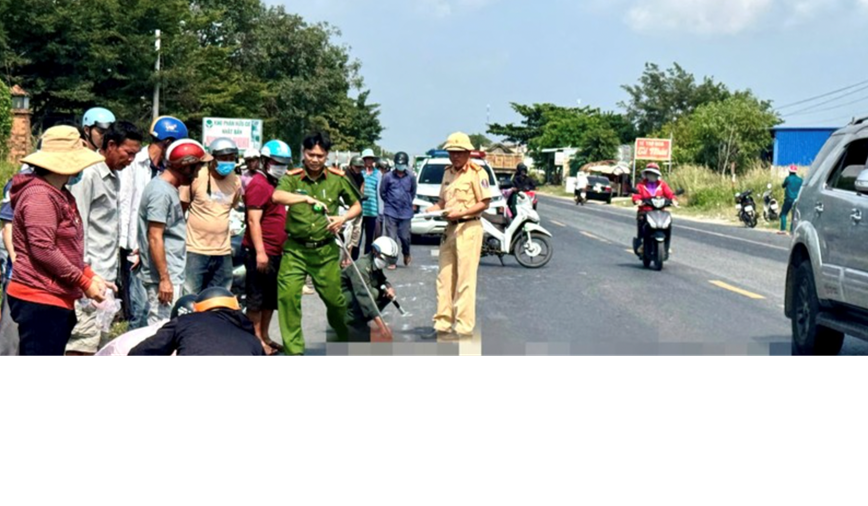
383, 168
398, 190
792, 187
356, 176
371, 203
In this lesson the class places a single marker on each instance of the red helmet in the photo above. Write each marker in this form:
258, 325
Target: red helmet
187, 151
793, 169
652, 166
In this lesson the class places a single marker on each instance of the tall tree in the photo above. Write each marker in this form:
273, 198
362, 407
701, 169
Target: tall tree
661, 97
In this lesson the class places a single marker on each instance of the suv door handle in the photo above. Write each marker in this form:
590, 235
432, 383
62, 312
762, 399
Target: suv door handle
820, 207
856, 216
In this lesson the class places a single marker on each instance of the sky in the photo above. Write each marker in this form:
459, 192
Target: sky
439, 66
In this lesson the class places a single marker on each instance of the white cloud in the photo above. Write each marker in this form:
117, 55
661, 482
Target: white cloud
445, 8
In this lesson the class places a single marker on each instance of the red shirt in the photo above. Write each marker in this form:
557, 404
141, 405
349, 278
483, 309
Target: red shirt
645, 193
258, 196
48, 237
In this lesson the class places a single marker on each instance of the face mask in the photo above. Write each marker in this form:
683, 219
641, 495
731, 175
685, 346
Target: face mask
653, 179
74, 179
401, 168
225, 168
379, 263
277, 171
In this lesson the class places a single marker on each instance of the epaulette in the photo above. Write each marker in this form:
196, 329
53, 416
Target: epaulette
337, 172
296, 172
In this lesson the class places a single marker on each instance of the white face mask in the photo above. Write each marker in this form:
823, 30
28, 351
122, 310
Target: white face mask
277, 171
379, 263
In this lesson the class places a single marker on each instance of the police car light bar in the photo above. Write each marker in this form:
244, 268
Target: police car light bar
442, 153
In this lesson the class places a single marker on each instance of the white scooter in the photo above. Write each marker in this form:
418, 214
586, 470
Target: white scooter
522, 237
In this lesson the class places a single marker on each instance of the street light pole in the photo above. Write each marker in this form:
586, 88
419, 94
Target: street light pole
156, 111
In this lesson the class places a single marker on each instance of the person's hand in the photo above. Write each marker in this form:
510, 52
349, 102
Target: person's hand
96, 290
336, 223
167, 292
262, 262
312, 201
390, 293
454, 215
136, 259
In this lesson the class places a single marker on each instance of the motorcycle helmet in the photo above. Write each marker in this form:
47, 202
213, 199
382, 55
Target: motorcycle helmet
794, 169
402, 158
216, 298
385, 251
278, 151
98, 117
357, 161
185, 305
652, 168
168, 127
187, 152
223, 146
251, 153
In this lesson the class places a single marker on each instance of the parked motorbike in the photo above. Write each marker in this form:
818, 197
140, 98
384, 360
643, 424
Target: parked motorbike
771, 208
746, 208
522, 236
581, 196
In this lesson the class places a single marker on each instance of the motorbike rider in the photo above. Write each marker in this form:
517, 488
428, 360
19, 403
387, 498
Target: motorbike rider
521, 182
652, 185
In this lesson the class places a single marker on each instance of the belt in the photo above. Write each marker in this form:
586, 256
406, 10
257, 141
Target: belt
465, 220
312, 245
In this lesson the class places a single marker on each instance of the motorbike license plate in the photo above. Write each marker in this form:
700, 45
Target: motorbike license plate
775, 207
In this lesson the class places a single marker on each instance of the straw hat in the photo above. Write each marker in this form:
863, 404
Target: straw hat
63, 152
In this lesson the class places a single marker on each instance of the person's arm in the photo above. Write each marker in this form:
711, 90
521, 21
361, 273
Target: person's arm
414, 185
383, 189
7, 240
349, 197
254, 224
157, 248
482, 191
667, 192
83, 194
162, 344
185, 193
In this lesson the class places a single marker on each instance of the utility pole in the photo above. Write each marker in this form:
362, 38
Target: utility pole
156, 112
488, 115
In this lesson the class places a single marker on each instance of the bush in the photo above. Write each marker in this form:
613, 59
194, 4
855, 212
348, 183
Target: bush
7, 170
708, 191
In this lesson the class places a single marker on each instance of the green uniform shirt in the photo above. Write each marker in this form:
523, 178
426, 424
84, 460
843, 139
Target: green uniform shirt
302, 223
360, 308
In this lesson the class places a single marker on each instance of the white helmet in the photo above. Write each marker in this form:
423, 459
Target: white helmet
385, 252
251, 153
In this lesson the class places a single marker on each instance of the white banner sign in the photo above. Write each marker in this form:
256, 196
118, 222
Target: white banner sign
246, 133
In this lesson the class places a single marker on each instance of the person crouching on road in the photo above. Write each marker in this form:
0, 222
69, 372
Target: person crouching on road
369, 295
652, 185
793, 187
122, 345
217, 328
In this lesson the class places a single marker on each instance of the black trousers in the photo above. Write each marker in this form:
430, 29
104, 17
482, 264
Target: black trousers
370, 229
43, 330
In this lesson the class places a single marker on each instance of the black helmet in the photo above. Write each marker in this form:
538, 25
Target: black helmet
215, 298
402, 158
521, 168
383, 164
357, 161
185, 305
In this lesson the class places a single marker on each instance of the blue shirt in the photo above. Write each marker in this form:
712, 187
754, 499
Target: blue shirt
398, 193
370, 206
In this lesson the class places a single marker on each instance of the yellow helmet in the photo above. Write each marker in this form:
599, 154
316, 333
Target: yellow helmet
459, 141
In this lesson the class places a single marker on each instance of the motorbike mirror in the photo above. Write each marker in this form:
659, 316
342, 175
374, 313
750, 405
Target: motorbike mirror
770, 186
679, 192
634, 191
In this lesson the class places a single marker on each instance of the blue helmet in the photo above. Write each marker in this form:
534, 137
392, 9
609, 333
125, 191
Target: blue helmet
98, 117
278, 151
168, 127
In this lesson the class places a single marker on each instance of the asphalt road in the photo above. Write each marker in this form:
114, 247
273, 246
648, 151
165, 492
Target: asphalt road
720, 294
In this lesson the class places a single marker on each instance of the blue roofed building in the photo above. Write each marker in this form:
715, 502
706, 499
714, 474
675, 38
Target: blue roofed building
799, 145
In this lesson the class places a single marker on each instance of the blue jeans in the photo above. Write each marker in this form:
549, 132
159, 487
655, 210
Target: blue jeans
205, 271
135, 297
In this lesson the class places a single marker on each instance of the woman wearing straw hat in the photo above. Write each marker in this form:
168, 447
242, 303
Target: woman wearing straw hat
50, 273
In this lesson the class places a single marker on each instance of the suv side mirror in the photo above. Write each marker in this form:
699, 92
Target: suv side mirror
862, 182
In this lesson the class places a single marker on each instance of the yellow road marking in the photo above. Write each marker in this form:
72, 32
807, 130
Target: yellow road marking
745, 293
558, 224
592, 236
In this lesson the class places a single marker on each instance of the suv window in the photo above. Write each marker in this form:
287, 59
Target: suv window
432, 173
603, 181
851, 164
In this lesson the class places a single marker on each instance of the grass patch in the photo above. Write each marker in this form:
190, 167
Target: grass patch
119, 329
554, 191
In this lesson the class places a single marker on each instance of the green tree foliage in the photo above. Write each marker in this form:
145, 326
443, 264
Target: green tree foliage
229, 58
662, 97
595, 134
5, 119
728, 134
479, 141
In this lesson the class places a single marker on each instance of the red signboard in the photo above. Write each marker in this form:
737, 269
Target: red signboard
659, 150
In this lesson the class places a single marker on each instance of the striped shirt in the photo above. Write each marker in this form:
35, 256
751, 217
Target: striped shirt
370, 207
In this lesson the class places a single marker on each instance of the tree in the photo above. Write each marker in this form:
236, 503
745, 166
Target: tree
662, 97
730, 134
230, 58
5, 119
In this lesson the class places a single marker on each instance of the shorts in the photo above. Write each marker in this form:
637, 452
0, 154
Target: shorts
261, 287
86, 337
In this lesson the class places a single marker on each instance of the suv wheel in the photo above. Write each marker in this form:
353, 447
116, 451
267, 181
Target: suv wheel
808, 337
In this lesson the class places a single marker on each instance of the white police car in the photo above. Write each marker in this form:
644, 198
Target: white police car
429, 179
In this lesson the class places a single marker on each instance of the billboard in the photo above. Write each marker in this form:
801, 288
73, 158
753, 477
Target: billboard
658, 150
246, 133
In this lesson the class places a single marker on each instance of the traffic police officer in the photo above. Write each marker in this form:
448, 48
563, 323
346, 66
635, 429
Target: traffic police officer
312, 193
464, 195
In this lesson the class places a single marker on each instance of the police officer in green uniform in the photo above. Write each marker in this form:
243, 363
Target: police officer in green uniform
312, 194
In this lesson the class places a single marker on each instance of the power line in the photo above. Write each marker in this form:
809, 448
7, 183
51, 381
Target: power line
858, 100
811, 108
824, 95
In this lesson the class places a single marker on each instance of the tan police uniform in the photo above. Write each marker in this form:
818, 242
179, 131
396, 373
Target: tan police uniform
460, 249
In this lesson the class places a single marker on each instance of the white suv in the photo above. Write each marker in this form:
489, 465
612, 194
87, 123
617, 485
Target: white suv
428, 182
